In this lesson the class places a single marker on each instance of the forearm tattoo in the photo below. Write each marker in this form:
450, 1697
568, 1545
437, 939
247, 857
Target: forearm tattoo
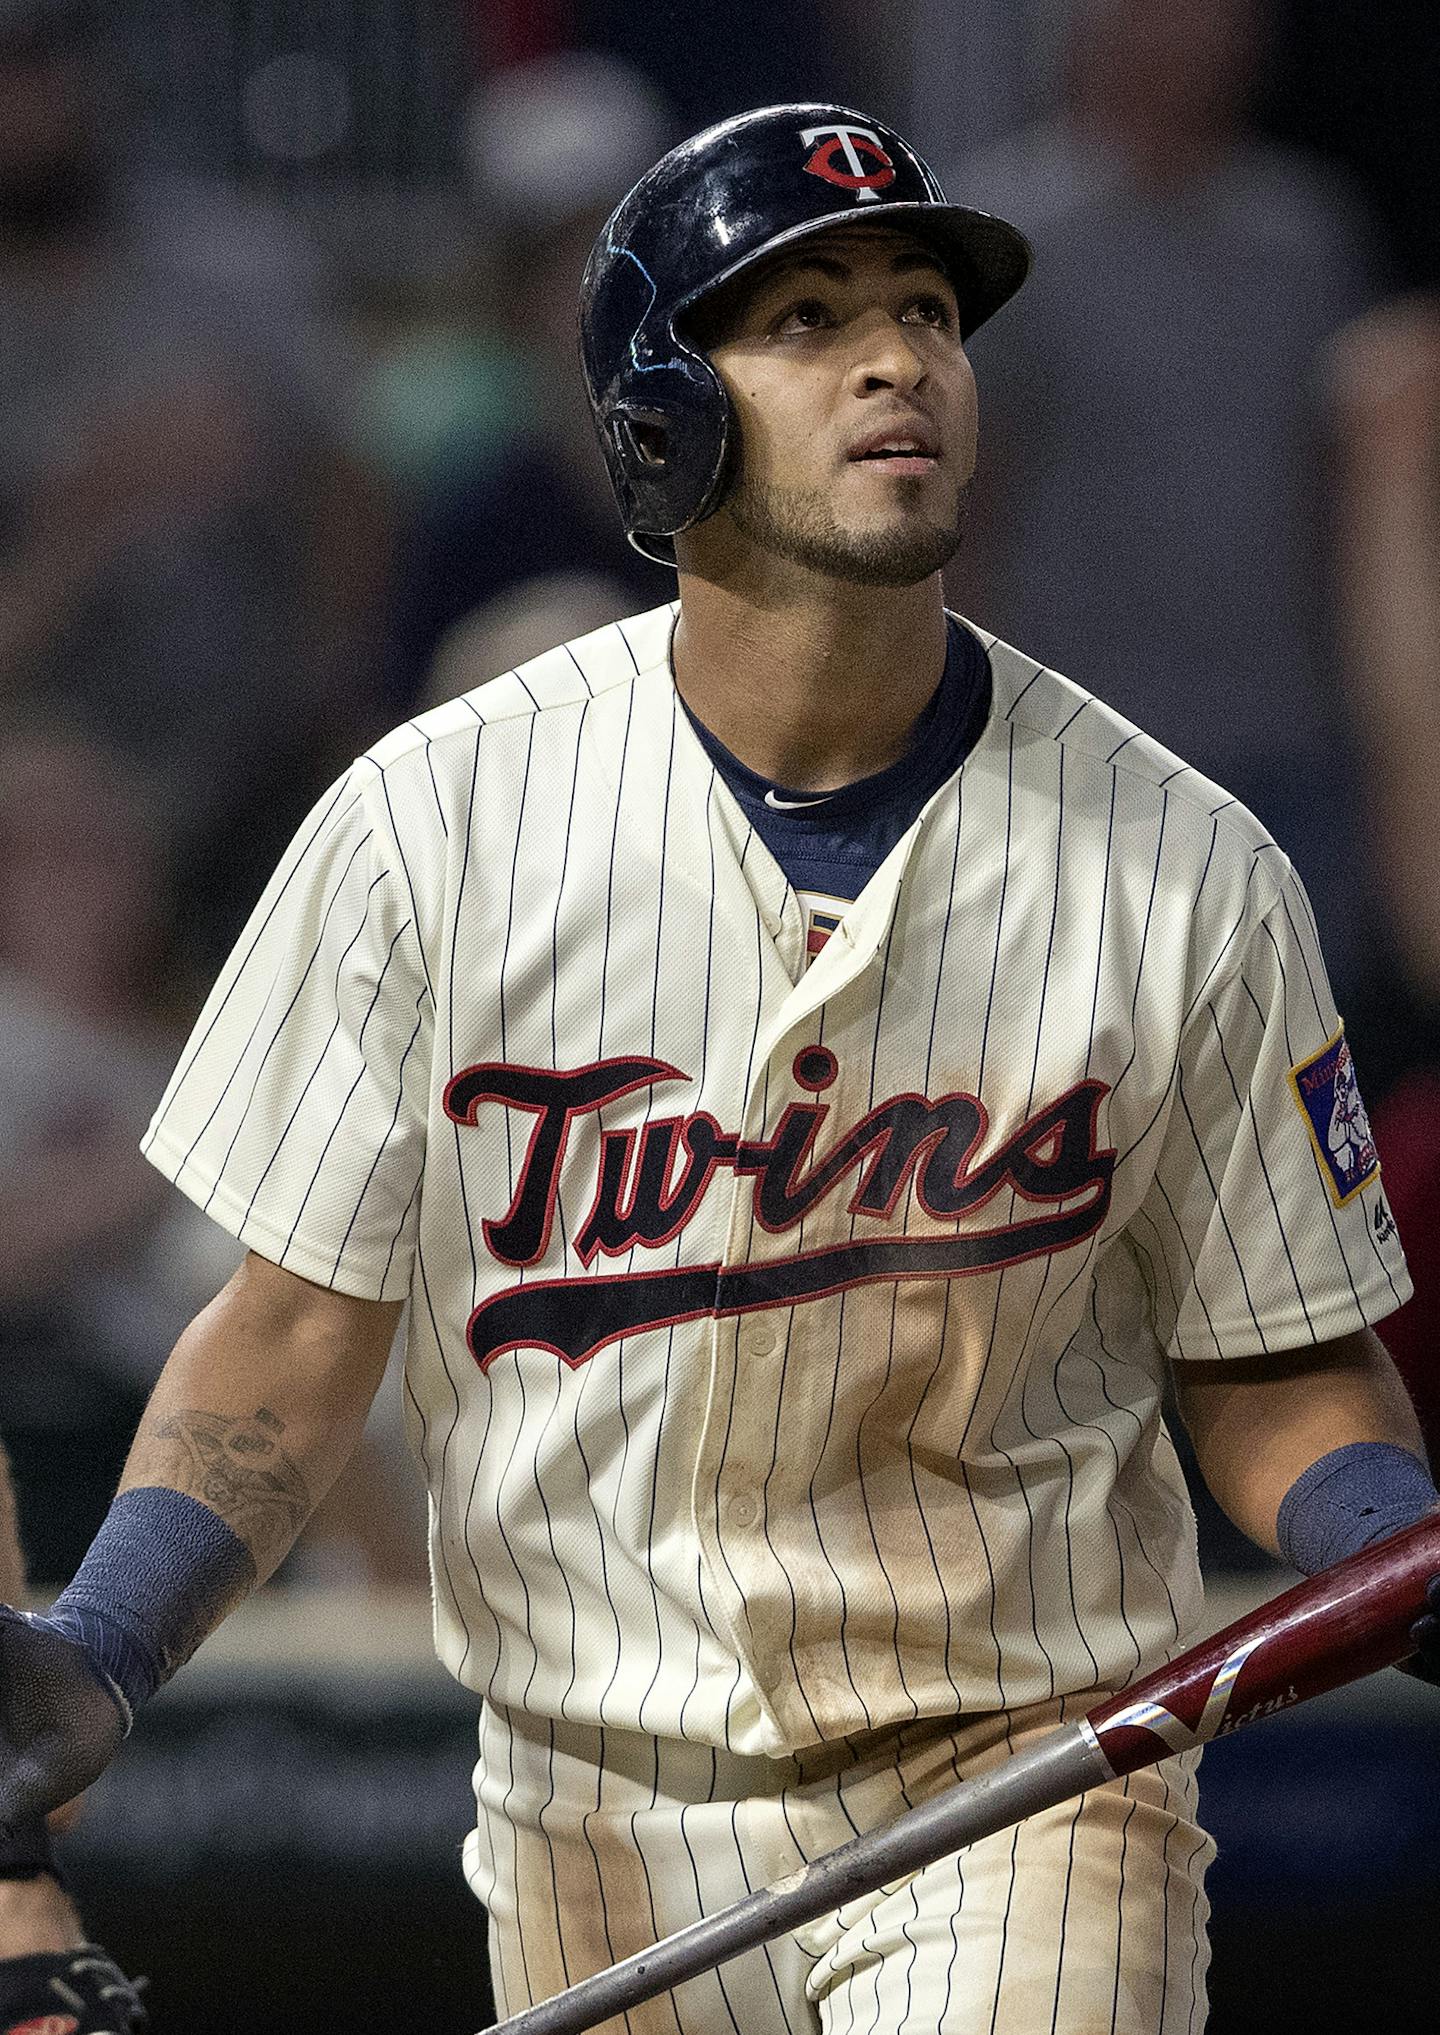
234, 1464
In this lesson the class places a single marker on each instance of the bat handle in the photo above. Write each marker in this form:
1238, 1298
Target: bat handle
1347, 1621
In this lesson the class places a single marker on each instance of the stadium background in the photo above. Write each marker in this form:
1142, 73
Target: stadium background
292, 443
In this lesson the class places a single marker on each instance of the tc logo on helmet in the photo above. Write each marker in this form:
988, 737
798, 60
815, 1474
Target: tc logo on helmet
851, 157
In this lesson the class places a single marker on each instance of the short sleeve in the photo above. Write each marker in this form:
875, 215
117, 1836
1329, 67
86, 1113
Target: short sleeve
1266, 1227
296, 1115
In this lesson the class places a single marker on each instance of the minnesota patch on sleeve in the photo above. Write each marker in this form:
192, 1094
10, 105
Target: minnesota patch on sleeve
1326, 1089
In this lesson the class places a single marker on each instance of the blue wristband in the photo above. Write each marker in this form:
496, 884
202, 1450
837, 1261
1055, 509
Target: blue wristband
1353, 1496
160, 1574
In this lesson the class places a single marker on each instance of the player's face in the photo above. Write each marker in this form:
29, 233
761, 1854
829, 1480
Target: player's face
855, 407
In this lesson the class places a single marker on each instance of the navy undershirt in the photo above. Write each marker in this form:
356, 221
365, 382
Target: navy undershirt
830, 846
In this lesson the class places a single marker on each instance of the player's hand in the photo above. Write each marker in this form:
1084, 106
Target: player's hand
82, 1991
1426, 1634
60, 1726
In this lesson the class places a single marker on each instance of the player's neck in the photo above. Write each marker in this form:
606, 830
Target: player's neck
811, 689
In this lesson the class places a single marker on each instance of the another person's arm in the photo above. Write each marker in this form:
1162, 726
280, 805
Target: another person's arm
1385, 389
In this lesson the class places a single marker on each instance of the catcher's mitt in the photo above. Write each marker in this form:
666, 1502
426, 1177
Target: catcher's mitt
68, 1992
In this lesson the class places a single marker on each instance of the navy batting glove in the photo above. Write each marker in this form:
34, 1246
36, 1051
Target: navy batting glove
61, 1720
1426, 1634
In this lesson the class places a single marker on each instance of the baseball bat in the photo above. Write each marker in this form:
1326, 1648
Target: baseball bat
1346, 1622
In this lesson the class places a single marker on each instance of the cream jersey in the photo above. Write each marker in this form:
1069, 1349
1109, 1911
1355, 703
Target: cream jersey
786, 1343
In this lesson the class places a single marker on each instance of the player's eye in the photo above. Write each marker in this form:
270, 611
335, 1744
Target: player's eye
931, 309
808, 315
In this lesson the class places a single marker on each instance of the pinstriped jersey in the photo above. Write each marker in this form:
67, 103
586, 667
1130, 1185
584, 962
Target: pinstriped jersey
786, 1343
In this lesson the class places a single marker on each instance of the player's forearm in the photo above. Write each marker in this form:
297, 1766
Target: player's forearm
262, 1403
1258, 1425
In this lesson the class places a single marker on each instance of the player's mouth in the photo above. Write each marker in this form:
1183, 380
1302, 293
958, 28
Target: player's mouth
902, 450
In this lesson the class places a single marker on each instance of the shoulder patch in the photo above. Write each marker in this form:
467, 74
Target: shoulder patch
1328, 1093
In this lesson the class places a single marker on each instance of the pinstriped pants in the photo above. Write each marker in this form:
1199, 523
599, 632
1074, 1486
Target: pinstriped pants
1087, 1920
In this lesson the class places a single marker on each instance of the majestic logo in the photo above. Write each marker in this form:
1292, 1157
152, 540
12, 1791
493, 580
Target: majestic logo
1327, 1091
851, 157
651, 1181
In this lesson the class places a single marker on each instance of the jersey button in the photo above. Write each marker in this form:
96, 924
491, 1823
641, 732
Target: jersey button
762, 1341
743, 1510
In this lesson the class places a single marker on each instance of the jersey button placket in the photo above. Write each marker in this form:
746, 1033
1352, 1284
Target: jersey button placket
729, 1469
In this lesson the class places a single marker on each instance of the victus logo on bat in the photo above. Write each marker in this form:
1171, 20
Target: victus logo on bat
652, 1178
1215, 1718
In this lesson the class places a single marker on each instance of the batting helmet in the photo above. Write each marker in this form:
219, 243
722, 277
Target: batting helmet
704, 213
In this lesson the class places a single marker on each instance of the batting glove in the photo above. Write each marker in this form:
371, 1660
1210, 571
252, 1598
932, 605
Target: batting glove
60, 1723
1426, 1634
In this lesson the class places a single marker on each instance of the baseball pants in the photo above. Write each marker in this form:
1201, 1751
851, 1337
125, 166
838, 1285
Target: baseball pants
1086, 1920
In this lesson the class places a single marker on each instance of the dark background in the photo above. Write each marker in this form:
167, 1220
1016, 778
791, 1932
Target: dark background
342, 294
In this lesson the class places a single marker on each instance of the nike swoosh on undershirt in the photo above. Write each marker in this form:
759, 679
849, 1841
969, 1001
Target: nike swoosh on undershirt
787, 805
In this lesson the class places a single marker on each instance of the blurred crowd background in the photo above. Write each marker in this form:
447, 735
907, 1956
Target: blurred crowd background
293, 443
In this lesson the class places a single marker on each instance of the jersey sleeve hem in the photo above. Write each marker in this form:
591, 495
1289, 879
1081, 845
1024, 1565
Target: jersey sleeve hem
289, 1249
1222, 1341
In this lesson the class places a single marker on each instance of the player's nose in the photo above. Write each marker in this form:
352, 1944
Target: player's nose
886, 357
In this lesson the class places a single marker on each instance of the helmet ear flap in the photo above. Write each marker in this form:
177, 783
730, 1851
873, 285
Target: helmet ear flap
665, 442
641, 438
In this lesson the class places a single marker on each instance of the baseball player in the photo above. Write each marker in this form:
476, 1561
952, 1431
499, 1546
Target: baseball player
813, 1073
52, 1981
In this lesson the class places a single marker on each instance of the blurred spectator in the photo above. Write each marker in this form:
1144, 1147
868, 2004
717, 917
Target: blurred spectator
554, 145
1151, 514
189, 555
93, 1255
721, 58
713, 60
101, 1267
528, 618
1357, 83
1385, 392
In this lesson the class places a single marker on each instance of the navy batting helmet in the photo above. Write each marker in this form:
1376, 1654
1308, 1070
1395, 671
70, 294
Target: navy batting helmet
708, 210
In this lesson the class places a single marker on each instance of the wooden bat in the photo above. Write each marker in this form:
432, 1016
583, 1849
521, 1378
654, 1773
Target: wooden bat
1338, 1626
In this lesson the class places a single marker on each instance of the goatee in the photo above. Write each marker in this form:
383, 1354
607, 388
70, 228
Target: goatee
799, 525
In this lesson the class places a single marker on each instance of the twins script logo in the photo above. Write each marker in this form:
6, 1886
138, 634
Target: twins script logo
867, 167
651, 1179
